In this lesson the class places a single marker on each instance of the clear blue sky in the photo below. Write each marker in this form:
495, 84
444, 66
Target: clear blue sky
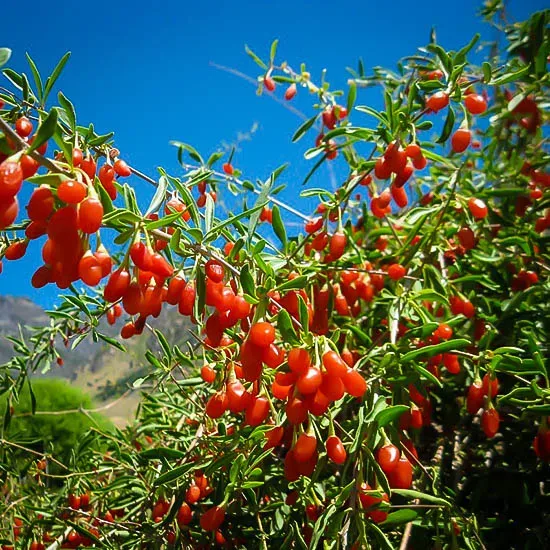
142, 69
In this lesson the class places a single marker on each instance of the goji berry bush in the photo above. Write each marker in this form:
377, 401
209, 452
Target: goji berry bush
376, 379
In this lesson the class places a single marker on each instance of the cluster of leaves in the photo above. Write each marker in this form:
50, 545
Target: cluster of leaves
421, 300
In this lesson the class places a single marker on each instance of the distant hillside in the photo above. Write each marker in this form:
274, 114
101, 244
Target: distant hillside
101, 370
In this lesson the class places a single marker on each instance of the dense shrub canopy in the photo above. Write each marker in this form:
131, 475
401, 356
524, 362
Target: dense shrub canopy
376, 380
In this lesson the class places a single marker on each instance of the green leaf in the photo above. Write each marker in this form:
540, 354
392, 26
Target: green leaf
352, 96
410, 493
176, 473
51, 179
273, 51
50, 81
256, 59
216, 230
85, 533
45, 131
448, 126
303, 128
209, 214
443, 56
15, 78
284, 324
247, 281
380, 536
193, 153
36, 77
487, 71
401, 516
278, 226
510, 76
435, 349
389, 414
185, 194
297, 282
261, 201
162, 452
159, 196
5, 54
460, 56
68, 107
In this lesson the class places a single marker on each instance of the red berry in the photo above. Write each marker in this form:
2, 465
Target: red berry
9, 208
269, 83
23, 127
388, 458
477, 208
475, 103
437, 101
490, 421
214, 271
212, 518
262, 334
90, 215
461, 139
11, 179
396, 271
290, 92
336, 450
401, 476
72, 191
121, 168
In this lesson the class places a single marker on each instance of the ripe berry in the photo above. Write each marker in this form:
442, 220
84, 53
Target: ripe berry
354, 383
213, 518
29, 166
401, 476
290, 92
305, 447
334, 364
396, 271
474, 399
475, 103
9, 208
466, 237
388, 458
269, 83
490, 385
461, 139
90, 215
329, 118
262, 334
309, 381
23, 127
299, 360
228, 168
121, 168
11, 179
337, 245
72, 191
477, 208
444, 331
336, 450
16, 250
214, 271
490, 421
369, 501
437, 101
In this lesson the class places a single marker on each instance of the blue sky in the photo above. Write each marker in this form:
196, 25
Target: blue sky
144, 71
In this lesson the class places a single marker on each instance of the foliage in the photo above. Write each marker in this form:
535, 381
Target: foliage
51, 433
378, 380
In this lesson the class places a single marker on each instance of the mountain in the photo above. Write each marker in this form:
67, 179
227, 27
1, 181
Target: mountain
98, 368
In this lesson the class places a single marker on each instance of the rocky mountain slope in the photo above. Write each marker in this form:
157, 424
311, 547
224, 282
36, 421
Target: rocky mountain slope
101, 370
